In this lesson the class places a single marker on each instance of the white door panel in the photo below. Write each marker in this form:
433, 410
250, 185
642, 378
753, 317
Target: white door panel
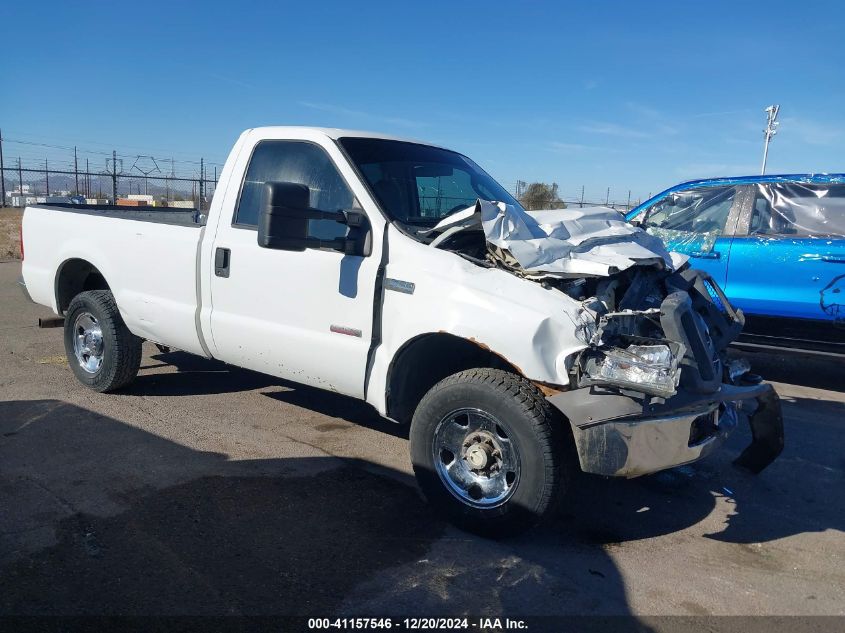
305, 316
276, 310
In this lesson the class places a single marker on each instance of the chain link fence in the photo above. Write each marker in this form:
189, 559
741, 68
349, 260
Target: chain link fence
553, 197
39, 173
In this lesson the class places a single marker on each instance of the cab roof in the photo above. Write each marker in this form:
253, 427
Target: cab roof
336, 133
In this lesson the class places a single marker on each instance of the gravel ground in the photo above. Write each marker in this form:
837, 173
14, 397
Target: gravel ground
205, 489
10, 238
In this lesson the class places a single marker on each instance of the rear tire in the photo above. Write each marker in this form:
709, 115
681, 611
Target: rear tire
488, 452
101, 351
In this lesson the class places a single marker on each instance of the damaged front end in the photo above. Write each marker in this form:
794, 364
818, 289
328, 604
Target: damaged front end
654, 388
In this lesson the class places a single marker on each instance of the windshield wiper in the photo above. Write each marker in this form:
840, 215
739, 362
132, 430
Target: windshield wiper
421, 221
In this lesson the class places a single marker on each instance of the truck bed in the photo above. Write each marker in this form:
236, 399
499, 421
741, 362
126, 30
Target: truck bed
148, 257
160, 215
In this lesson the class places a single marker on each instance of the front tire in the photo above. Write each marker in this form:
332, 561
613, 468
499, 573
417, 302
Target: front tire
101, 351
487, 451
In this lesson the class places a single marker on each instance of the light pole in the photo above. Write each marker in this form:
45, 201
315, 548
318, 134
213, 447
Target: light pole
769, 132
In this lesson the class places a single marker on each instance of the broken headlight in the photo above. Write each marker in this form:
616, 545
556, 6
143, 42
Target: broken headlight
649, 368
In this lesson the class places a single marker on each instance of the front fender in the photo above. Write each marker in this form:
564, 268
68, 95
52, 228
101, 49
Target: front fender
529, 326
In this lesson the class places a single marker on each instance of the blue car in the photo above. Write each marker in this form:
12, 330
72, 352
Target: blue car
776, 245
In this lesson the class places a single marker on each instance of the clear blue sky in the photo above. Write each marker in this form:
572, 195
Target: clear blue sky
629, 95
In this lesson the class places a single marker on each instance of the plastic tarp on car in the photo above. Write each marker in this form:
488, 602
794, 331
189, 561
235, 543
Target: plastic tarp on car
799, 209
593, 241
691, 221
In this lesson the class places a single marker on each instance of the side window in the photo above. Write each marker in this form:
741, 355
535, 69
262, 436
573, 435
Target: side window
691, 221
798, 210
694, 211
299, 162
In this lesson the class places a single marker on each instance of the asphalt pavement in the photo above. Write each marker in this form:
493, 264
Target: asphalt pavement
206, 489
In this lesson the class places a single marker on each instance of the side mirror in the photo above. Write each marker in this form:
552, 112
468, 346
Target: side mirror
284, 218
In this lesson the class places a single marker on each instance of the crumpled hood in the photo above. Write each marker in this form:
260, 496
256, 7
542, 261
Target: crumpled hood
592, 241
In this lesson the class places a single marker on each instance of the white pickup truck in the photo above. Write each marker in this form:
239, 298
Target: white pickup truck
516, 344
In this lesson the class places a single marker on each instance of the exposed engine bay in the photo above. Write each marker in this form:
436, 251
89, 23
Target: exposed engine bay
650, 322
654, 331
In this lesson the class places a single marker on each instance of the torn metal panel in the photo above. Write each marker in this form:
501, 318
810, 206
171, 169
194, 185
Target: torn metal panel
594, 241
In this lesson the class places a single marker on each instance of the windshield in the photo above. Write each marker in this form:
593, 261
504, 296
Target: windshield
420, 184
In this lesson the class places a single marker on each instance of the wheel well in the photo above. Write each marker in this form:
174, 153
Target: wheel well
426, 360
75, 276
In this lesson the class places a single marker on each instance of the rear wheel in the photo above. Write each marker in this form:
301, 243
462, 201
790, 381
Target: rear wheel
103, 354
487, 451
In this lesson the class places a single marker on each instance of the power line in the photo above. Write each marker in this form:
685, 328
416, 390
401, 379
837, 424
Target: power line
98, 152
134, 149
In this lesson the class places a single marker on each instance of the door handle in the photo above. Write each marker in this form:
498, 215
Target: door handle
222, 257
834, 259
705, 255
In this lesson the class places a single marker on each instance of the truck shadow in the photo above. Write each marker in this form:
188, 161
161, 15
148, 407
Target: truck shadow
817, 372
336, 405
101, 517
194, 375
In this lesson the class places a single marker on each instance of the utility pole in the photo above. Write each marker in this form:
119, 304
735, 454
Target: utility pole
20, 178
607, 199
172, 181
47, 176
113, 176
2, 175
582, 197
202, 181
769, 132
629, 200
87, 180
76, 169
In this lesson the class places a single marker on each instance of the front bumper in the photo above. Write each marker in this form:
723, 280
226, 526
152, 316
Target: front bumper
22, 286
623, 435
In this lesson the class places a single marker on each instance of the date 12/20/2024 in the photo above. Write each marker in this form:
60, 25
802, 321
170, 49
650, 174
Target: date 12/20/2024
418, 624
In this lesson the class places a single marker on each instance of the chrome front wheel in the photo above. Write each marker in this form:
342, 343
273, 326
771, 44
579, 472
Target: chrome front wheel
476, 458
486, 449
